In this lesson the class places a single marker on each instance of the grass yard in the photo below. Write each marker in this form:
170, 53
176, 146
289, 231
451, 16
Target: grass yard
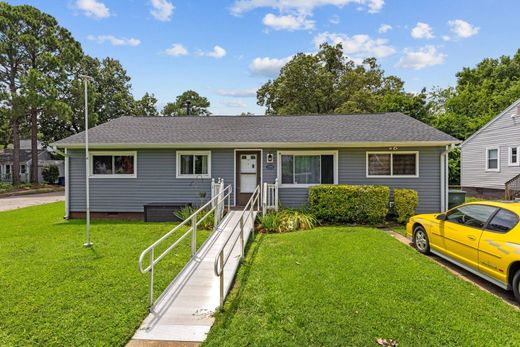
55, 292
350, 285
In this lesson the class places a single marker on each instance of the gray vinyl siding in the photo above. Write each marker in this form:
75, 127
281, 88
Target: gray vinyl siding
156, 182
352, 170
503, 133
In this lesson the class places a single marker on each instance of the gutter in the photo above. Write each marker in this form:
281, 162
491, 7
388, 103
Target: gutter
444, 158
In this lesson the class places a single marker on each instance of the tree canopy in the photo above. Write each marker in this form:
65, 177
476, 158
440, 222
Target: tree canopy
198, 105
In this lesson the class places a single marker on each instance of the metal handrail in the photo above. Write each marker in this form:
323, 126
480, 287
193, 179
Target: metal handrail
222, 259
219, 199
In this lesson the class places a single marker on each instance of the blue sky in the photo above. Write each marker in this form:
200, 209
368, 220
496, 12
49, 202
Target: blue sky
225, 50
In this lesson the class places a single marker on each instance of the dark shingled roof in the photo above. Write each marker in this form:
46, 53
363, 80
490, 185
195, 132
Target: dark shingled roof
223, 130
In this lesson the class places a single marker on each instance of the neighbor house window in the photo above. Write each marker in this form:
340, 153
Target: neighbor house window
113, 164
513, 156
392, 164
492, 159
195, 164
23, 169
7, 169
307, 168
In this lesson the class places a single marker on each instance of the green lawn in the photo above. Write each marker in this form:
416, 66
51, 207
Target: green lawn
54, 292
348, 286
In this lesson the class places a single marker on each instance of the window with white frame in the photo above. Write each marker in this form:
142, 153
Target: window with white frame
307, 168
113, 164
194, 164
493, 159
514, 154
392, 164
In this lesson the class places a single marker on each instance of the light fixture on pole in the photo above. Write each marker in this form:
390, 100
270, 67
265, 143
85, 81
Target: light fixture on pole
87, 243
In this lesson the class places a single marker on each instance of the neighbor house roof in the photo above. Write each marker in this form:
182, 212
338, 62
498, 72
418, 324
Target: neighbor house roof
232, 131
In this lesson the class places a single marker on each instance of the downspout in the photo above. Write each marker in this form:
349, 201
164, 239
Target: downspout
66, 173
445, 177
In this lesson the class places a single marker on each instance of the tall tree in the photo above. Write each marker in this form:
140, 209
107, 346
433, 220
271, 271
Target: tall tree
198, 105
146, 106
327, 82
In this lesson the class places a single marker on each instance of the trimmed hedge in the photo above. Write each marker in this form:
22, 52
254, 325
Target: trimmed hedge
349, 204
405, 203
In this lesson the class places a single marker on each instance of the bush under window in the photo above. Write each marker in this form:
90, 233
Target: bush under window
50, 174
405, 204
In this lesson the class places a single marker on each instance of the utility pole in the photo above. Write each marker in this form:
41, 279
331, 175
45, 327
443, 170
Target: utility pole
87, 243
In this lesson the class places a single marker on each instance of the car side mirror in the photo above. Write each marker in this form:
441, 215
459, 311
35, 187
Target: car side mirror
442, 216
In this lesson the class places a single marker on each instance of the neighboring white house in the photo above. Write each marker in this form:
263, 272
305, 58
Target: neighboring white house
491, 156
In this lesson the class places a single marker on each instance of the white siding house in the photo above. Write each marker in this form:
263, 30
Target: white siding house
491, 156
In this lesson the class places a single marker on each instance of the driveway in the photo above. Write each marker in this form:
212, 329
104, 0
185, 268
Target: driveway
14, 202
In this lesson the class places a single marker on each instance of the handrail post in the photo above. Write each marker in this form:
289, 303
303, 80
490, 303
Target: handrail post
242, 237
193, 235
150, 289
276, 194
265, 198
221, 279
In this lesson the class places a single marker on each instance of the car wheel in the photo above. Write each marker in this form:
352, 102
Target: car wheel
420, 238
516, 286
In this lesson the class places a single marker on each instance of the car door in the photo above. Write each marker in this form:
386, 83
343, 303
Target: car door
462, 230
496, 248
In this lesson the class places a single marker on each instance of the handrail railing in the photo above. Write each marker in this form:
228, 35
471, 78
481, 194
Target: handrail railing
217, 202
221, 258
270, 197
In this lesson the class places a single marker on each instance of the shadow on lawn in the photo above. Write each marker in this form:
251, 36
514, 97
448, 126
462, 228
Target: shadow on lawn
233, 299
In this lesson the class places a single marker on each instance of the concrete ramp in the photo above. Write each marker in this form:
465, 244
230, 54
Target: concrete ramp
184, 312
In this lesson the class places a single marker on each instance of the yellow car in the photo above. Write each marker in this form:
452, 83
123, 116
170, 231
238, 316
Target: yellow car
481, 237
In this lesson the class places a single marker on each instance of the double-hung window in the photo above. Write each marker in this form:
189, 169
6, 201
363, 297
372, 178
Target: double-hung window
493, 159
514, 156
392, 164
113, 164
307, 168
193, 164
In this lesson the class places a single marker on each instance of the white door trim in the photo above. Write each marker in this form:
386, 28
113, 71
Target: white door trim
235, 169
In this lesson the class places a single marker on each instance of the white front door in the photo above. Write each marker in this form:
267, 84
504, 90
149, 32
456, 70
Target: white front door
248, 173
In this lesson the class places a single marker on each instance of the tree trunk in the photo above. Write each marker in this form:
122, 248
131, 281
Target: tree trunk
34, 145
15, 169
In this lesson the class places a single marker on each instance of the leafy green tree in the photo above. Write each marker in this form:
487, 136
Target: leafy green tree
198, 105
146, 106
328, 82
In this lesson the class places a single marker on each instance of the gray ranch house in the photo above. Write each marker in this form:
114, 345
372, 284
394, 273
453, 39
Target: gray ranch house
490, 158
137, 162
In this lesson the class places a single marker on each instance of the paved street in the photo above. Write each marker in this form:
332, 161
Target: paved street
14, 202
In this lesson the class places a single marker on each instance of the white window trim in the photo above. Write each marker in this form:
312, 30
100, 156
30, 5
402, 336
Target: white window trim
487, 159
510, 156
299, 185
91, 163
178, 164
392, 164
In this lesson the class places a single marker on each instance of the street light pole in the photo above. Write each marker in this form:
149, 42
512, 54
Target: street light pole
88, 243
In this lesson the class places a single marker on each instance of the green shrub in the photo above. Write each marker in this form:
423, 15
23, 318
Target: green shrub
286, 221
405, 204
5, 187
349, 204
208, 222
50, 174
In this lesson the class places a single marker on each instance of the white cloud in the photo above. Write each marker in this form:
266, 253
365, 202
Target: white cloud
93, 8
269, 67
235, 103
334, 19
288, 22
250, 92
384, 28
422, 31
357, 47
462, 29
421, 58
162, 10
115, 41
301, 6
217, 52
176, 50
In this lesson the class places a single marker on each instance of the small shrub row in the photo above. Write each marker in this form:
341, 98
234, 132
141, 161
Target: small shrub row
206, 224
349, 204
405, 204
286, 221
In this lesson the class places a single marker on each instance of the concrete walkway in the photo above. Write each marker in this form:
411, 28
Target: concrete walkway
185, 311
14, 202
